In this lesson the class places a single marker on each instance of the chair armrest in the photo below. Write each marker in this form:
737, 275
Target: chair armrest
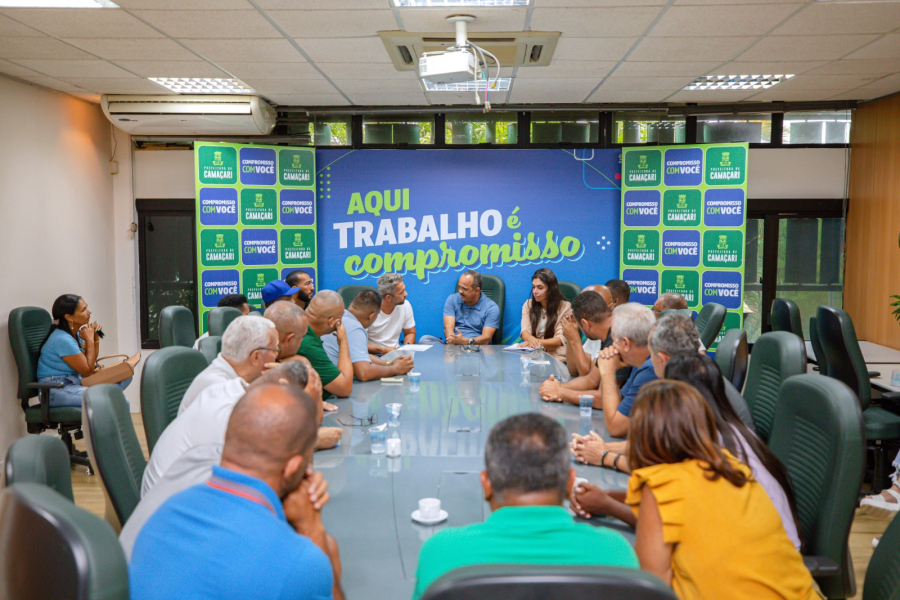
819, 566
873, 374
44, 397
44, 386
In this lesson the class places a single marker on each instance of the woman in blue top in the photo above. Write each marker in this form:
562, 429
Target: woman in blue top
70, 351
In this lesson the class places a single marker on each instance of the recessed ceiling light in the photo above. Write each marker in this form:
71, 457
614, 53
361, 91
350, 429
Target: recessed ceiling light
57, 4
457, 3
736, 82
197, 85
500, 84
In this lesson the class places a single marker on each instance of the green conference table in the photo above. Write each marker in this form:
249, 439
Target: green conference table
443, 430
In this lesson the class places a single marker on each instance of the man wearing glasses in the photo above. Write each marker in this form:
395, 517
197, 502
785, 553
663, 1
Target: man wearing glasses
470, 317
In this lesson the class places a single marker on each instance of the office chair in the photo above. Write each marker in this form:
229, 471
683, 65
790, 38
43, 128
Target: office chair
50, 548
220, 318
883, 573
822, 363
817, 434
739, 404
709, 322
732, 357
176, 327
167, 375
40, 459
349, 292
569, 289
29, 327
786, 316
494, 288
210, 346
776, 356
547, 582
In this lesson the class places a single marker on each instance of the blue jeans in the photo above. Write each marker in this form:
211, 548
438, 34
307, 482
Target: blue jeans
72, 391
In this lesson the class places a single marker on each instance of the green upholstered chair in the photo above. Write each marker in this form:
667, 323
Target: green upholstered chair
494, 288
220, 317
167, 375
821, 363
817, 434
176, 327
40, 459
114, 448
349, 292
51, 548
29, 326
210, 346
679, 311
569, 289
786, 316
883, 573
846, 363
739, 404
776, 356
547, 582
709, 322
732, 357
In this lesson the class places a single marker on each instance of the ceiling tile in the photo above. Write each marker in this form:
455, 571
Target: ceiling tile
291, 86
345, 50
879, 66
172, 68
885, 47
589, 69
658, 69
804, 47
710, 96
308, 99
185, 4
219, 24
360, 70
133, 48
576, 48
891, 83
54, 84
76, 22
722, 20
622, 21
672, 84
16, 70
388, 99
566, 87
739, 67
270, 70
333, 23
597, 3
275, 51
136, 85
819, 18
322, 4
729, 2
10, 28
75, 68
42, 47
827, 82
679, 49
402, 84
455, 98
525, 95
858, 95
605, 95
486, 19
788, 95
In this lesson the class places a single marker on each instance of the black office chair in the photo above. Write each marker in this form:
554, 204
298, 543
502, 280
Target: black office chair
732, 356
29, 326
709, 322
349, 292
786, 316
494, 288
547, 582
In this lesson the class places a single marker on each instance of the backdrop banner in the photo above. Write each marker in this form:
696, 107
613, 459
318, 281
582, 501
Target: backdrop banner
683, 224
432, 214
256, 218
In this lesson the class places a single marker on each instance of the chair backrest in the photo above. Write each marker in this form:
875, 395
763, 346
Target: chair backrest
494, 288
547, 582
709, 322
776, 356
40, 459
678, 311
176, 327
840, 347
349, 292
883, 573
210, 346
731, 356
115, 451
28, 328
817, 346
818, 435
51, 548
220, 318
786, 316
569, 289
167, 375
739, 404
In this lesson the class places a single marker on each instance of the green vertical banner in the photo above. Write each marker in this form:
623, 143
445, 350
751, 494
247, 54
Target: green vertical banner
684, 223
256, 218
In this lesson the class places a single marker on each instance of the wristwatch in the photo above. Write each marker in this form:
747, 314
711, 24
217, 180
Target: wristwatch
471, 341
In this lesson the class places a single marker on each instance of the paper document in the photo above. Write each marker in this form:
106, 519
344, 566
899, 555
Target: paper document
518, 348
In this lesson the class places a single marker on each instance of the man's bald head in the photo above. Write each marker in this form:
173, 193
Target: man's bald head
293, 372
669, 301
603, 291
325, 311
291, 323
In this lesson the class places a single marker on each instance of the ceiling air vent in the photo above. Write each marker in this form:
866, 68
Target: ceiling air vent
512, 48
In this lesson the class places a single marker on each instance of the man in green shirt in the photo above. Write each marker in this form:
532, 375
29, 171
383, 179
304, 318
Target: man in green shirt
324, 314
526, 478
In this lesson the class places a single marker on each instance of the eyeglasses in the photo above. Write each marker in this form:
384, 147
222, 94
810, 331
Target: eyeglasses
360, 421
276, 350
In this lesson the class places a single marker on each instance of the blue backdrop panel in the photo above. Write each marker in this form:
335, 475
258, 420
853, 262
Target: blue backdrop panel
432, 214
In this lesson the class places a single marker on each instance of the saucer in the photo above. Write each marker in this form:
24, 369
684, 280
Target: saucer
441, 517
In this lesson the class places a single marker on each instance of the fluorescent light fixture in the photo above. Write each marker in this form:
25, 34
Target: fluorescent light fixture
198, 85
457, 3
736, 82
500, 84
57, 4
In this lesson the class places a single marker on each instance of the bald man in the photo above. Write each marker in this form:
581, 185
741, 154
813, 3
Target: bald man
291, 323
324, 313
669, 301
254, 529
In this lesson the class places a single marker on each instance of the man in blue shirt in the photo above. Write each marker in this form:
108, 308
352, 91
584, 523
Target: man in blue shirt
470, 317
254, 529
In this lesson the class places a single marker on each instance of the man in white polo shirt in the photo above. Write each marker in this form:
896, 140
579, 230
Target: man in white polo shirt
396, 316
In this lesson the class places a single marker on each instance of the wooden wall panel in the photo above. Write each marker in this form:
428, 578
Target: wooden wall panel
872, 272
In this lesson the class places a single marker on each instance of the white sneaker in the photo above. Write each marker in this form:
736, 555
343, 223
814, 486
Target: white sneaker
878, 506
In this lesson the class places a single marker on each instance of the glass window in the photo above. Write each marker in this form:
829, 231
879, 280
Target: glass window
647, 128
718, 129
753, 271
830, 127
491, 128
562, 127
397, 130
330, 131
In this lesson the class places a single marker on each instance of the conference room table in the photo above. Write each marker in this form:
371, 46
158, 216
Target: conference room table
443, 430
873, 354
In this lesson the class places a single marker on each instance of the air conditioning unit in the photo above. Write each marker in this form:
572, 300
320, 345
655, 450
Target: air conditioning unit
190, 115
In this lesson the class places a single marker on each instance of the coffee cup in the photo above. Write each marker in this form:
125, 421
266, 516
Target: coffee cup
429, 508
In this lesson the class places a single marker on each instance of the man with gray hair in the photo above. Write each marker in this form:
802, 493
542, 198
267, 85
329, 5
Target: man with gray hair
396, 316
674, 333
247, 345
526, 478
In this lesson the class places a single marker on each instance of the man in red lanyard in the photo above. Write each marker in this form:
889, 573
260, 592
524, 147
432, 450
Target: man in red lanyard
254, 529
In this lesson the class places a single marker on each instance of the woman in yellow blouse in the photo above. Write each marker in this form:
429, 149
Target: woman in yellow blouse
543, 314
705, 526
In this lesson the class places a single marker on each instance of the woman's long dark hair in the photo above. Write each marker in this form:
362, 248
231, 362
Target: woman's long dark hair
554, 299
64, 306
704, 375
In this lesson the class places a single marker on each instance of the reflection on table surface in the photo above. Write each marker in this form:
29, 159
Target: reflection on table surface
443, 429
